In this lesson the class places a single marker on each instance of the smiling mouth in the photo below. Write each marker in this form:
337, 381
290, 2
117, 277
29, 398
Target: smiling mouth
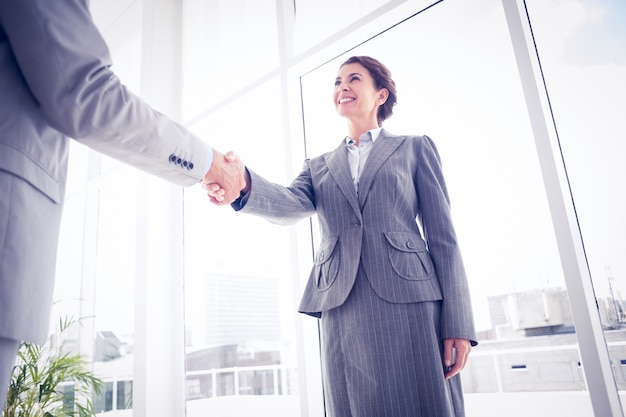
345, 100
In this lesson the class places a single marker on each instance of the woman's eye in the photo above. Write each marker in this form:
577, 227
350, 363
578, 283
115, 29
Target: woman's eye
355, 78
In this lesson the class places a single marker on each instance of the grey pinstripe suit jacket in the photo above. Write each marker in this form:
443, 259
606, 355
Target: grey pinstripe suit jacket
401, 184
55, 83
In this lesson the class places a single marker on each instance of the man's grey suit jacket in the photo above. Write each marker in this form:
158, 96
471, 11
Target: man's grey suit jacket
401, 184
55, 83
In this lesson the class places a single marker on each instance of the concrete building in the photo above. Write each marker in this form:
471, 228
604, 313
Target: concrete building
532, 345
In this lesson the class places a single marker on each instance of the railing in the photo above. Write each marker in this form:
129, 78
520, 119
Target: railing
250, 380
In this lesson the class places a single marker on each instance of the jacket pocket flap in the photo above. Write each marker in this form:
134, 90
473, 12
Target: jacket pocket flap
406, 242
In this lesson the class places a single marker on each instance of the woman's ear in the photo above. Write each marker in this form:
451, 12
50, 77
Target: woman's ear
383, 94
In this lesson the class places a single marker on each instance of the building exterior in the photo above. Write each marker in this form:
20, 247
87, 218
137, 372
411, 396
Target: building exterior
532, 345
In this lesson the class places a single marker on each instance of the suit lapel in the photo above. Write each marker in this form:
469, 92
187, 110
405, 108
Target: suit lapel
339, 167
384, 146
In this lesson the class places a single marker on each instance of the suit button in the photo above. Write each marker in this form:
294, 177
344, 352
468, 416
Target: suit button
172, 158
357, 223
320, 256
410, 244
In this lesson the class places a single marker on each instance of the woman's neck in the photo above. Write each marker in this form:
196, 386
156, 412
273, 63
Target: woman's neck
356, 129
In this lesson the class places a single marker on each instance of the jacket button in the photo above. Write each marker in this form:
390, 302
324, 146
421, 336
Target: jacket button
410, 244
357, 223
320, 256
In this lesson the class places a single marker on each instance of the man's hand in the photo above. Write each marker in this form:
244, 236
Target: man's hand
455, 354
225, 179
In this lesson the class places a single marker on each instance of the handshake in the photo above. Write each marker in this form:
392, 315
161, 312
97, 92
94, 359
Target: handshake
227, 178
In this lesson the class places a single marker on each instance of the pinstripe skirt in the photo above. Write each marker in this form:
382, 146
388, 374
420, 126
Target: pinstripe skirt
381, 359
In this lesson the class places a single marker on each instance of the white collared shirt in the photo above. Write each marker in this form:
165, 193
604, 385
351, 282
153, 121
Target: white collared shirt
357, 155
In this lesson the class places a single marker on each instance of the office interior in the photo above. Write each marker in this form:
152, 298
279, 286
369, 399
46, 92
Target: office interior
189, 309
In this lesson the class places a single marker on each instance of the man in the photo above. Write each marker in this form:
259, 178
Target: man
55, 84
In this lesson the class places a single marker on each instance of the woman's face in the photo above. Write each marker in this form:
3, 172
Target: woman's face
355, 95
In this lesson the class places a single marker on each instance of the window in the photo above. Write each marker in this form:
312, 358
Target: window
459, 83
240, 284
227, 45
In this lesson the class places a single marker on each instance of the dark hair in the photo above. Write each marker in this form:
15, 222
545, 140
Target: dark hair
382, 79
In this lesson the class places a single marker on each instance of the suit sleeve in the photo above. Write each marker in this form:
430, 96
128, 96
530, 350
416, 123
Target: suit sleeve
436, 220
276, 203
66, 65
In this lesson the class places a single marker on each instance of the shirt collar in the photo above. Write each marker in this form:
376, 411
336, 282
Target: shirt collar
374, 134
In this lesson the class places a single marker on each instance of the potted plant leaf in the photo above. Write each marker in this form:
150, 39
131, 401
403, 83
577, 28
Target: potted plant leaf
50, 381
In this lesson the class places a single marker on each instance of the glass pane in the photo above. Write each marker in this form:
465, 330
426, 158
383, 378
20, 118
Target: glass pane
103, 403
71, 247
464, 92
582, 47
320, 19
114, 291
228, 44
124, 395
97, 242
240, 312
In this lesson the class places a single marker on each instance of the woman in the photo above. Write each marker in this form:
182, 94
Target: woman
396, 321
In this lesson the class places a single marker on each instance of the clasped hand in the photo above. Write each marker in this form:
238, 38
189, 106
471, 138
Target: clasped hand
226, 178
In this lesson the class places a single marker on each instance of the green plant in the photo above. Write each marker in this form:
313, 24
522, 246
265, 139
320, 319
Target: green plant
49, 382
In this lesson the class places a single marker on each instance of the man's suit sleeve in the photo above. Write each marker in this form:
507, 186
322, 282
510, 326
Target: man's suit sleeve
66, 64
